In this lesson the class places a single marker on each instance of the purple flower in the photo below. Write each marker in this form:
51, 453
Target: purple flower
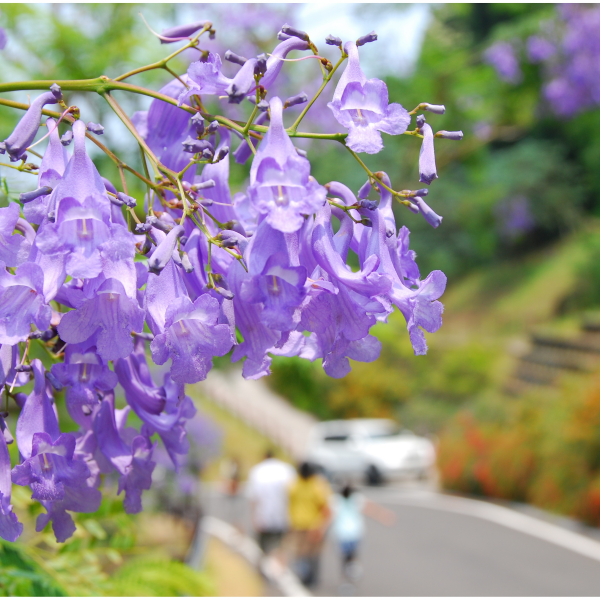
502, 57
361, 105
132, 461
109, 315
18, 141
417, 300
58, 481
10, 528
192, 337
37, 415
84, 374
258, 338
163, 410
280, 183
280, 287
82, 212
539, 49
22, 303
205, 77
14, 249
174, 34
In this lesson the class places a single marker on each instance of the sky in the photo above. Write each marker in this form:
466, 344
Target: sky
400, 29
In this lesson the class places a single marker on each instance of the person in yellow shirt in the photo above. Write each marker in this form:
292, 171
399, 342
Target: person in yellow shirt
309, 515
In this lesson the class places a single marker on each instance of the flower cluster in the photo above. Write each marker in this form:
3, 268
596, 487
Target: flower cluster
567, 48
100, 280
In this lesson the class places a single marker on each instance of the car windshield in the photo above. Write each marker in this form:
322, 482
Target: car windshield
335, 438
386, 433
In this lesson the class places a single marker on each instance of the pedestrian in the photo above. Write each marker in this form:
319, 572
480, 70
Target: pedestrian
231, 472
348, 527
309, 498
267, 490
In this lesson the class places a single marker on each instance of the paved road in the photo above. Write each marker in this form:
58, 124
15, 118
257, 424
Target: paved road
444, 546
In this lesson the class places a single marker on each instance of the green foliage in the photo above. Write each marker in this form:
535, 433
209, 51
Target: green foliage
20, 576
158, 577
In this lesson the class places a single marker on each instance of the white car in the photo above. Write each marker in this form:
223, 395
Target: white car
374, 449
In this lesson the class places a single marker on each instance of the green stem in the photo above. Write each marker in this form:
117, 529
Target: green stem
70, 119
161, 64
372, 175
326, 80
126, 121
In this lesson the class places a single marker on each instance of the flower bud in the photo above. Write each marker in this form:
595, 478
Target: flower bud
294, 100
422, 192
29, 196
235, 58
368, 204
25, 131
209, 183
428, 214
450, 135
193, 146
115, 201
198, 123
55, 89
222, 153
49, 334
438, 109
187, 263
161, 225
261, 64
332, 40
147, 226
365, 39
366, 222
413, 208
181, 31
263, 105
164, 251
146, 246
427, 167
230, 239
421, 121
283, 36
207, 154
127, 200
288, 30
212, 128
67, 138
95, 128
56, 384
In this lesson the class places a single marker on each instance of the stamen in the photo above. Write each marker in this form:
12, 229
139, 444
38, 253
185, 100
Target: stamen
298, 59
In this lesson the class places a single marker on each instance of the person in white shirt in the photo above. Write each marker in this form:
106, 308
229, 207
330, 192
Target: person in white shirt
267, 490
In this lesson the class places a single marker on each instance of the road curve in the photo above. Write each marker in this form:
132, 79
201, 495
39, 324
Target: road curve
447, 546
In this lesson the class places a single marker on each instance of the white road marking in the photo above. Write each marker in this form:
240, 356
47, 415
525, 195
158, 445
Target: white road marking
500, 515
